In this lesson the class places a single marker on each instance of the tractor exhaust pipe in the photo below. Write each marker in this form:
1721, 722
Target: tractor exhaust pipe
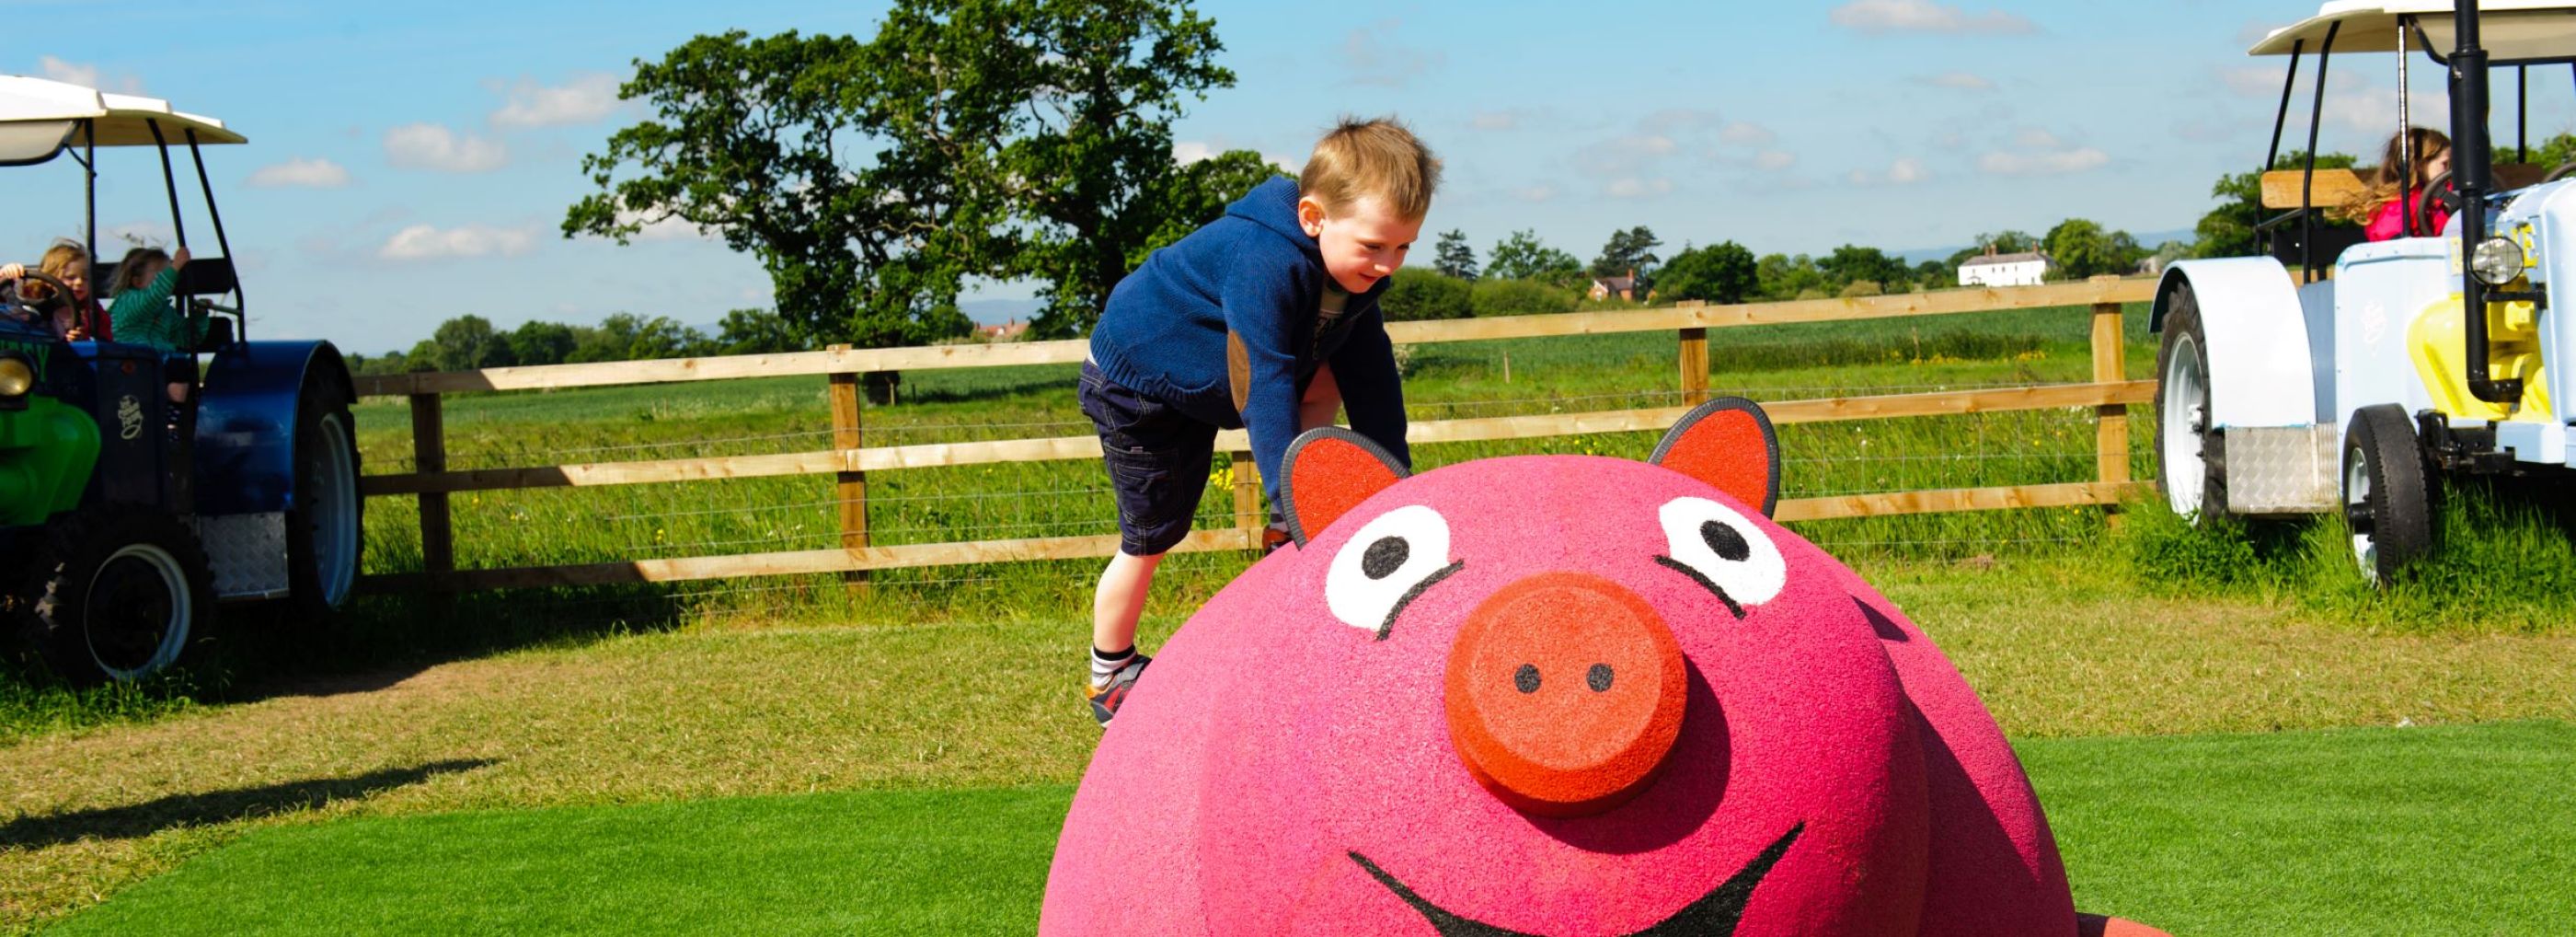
2474, 179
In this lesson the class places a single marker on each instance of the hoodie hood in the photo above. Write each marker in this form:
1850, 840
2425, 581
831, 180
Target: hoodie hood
1273, 206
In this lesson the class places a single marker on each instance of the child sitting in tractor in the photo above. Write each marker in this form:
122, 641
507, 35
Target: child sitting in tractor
2382, 209
144, 314
75, 318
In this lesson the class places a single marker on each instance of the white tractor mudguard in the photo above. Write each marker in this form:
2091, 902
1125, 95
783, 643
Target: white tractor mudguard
2268, 344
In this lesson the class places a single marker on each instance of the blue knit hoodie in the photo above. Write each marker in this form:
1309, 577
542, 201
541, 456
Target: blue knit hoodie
1257, 273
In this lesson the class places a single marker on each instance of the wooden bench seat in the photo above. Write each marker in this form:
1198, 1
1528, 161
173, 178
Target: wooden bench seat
2334, 187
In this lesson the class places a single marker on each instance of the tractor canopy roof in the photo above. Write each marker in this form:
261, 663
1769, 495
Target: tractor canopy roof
39, 117
2510, 30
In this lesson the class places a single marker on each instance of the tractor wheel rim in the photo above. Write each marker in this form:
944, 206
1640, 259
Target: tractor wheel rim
2186, 399
331, 507
136, 611
2356, 493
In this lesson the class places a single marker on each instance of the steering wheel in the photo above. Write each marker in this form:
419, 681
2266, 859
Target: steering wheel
62, 291
2437, 191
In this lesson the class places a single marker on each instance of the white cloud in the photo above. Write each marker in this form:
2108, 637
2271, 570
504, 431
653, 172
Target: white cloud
1905, 171
1742, 133
584, 99
434, 147
2042, 163
1496, 120
2033, 138
1775, 159
2251, 81
1633, 187
1374, 61
1884, 16
666, 229
1959, 81
88, 76
425, 242
1535, 193
300, 173
1186, 152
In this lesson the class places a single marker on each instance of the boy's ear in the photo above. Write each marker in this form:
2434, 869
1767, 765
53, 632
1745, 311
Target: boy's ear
1310, 215
1727, 442
1328, 471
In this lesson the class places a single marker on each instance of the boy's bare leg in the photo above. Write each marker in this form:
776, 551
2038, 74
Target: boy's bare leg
1323, 401
1120, 599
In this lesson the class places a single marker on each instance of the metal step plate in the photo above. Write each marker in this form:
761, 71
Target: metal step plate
249, 553
2282, 470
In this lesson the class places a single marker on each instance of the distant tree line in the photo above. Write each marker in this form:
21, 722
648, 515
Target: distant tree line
467, 343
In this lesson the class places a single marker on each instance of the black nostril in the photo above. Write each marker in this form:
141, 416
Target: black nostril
1526, 678
1598, 678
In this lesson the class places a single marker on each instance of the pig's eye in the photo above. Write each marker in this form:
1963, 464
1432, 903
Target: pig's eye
1386, 565
1722, 551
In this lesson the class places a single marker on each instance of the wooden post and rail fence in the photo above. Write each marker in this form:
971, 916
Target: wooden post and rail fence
850, 458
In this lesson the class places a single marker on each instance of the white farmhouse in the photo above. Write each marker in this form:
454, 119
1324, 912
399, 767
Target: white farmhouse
2023, 269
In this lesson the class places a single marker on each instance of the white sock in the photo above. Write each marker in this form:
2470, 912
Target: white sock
1105, 665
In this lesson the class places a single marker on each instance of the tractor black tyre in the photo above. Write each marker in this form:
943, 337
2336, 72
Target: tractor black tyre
326, 524
2186, 345
116, 592
2392, 512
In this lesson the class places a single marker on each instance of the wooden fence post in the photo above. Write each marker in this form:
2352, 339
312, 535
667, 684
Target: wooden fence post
850, 494
1694, 365
428, 456
1247, 499
2111, 421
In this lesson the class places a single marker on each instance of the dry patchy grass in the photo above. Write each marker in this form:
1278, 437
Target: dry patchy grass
2057, 648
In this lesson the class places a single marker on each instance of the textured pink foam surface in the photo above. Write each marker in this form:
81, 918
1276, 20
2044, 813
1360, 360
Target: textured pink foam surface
1271, 742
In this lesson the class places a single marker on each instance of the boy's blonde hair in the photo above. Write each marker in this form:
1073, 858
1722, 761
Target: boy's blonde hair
1361, 158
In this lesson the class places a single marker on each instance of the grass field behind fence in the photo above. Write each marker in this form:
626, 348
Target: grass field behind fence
1046, 499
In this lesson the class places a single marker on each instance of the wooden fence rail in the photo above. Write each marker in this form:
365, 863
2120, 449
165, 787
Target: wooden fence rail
2108, 394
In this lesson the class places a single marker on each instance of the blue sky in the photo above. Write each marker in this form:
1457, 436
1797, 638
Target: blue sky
410, 163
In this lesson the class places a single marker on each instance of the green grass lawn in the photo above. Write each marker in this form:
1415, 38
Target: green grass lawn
2451, 830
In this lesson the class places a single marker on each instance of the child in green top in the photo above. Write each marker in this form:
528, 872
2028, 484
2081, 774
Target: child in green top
142, 312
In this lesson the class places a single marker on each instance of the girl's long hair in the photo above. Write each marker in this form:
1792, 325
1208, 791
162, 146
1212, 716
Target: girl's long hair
134, 262
2394, 175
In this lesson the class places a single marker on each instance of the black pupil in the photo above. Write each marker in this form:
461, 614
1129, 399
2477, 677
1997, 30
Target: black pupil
1526, 678
1598, 678
1724, 539
1384, 557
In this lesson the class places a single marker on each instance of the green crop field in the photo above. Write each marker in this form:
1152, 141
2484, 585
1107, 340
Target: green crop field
2170, 685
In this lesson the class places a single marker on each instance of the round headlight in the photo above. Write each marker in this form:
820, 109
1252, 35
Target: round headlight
16, 378
2496, 262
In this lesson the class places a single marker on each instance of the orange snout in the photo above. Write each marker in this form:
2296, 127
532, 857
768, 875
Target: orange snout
1565, 694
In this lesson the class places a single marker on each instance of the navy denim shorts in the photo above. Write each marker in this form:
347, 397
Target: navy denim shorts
1158, 462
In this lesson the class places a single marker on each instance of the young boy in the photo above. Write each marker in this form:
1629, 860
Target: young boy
1265, 319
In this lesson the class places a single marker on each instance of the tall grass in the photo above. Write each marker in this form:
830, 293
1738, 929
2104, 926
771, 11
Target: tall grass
2504, 562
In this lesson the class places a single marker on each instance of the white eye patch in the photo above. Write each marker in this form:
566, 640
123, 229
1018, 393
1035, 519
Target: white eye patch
1383, 567
1723, 551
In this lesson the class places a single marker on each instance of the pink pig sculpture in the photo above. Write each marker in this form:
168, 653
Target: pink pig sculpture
1562, 696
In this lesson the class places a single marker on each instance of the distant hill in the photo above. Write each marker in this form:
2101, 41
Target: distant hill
998, 311
2147, 239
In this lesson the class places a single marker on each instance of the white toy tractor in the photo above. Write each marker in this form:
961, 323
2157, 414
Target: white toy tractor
2379, 368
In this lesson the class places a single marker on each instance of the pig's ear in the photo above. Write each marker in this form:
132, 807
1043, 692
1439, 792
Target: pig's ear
1330, 470
1728, 443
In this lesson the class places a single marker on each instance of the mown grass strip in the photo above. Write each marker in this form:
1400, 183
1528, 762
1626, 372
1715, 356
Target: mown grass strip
2383, 831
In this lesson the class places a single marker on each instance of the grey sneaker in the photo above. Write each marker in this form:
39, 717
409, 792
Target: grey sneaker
1106, 698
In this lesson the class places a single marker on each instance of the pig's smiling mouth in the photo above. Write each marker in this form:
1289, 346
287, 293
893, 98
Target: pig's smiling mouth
1714, 915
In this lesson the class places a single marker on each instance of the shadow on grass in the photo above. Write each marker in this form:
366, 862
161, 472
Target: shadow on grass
180, 810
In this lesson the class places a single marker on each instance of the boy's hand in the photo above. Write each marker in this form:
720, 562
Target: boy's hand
179, 259
12, 271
